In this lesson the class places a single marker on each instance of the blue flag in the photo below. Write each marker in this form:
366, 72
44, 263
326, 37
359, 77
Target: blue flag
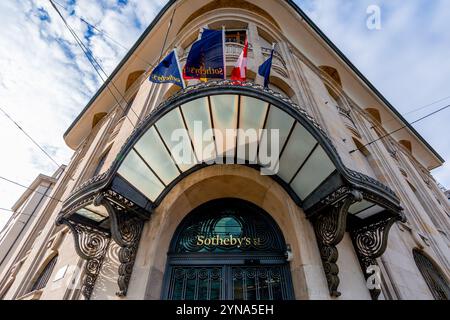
206, 60
264, 69
168, 71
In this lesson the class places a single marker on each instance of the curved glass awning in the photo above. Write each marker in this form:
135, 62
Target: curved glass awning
224, 123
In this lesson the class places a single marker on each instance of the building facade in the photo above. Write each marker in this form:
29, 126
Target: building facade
329, 217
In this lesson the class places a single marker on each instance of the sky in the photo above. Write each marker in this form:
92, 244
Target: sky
45, 80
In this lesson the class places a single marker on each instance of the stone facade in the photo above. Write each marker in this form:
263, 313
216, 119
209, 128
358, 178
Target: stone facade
312, 73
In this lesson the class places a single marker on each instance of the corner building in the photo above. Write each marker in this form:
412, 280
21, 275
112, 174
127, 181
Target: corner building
332, 223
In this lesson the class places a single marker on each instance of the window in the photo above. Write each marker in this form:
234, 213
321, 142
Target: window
235, 36
43, 278
100, 164
432, 276
128, 106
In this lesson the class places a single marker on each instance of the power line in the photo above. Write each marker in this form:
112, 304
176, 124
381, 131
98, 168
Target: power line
89, 55
29, 137
413, 111
115, 41
102, 32
167, 33
151, 65
28, 188
17, 212
402, 127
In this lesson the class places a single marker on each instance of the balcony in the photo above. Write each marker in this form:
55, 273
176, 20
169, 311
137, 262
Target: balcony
234, 49
278, 63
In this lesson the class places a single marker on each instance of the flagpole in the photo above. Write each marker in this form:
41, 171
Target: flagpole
179, 68
224, 48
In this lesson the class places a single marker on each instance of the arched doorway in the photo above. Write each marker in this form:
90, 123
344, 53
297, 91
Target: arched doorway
228, 249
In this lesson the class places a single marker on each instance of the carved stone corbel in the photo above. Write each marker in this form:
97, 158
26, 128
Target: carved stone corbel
370, 242
330, 225
126, 229
91, 245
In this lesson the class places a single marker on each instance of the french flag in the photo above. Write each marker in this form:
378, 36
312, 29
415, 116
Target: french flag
239, 72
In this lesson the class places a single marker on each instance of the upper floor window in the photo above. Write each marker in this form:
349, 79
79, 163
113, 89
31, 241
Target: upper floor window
129, 104
439, 287
235, 36
44, 276
101, 163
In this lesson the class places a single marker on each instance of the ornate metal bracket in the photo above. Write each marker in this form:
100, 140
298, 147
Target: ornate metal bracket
330, 225
370, 242
126, 229
91, 245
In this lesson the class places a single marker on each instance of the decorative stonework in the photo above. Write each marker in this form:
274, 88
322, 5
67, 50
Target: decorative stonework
330, 226
126, 229
327, 206
91, 245
370, 242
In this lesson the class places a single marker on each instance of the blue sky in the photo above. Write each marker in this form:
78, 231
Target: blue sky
45, 80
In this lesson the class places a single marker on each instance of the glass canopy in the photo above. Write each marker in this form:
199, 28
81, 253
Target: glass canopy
221, 129
233, 125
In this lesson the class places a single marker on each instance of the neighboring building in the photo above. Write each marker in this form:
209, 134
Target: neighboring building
18, 235
137, 224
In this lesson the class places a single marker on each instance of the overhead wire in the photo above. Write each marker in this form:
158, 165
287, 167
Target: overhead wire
413, 111
401, 128
28, 188
96, 65
103, 32
29, 137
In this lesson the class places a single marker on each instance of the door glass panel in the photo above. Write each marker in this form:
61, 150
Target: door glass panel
238, 284
275, 283
263, 283
196, 283
258, 283
251, 284
190, 284
178, 278
203, 280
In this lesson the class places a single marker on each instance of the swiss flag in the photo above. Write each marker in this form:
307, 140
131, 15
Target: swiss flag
239, 72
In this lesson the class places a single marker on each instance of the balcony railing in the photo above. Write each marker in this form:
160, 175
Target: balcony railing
278, 63
234, 49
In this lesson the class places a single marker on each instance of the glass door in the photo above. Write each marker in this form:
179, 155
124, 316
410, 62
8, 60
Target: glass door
197, 283
227, 249
257, 283
228, 283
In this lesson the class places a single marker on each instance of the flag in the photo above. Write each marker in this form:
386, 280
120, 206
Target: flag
206, 60
239, 72
264, 69
168, 71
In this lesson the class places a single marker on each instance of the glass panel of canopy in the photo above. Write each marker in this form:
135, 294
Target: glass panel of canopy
227, 129
96, 214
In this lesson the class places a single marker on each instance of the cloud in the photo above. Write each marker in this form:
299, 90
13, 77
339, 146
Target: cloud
45, 79
408, 60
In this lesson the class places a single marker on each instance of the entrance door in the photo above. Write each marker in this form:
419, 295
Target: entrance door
228, 249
